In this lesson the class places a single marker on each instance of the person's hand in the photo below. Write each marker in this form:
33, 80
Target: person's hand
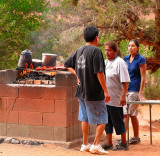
123, 101
141, 97
107, 97
78, 81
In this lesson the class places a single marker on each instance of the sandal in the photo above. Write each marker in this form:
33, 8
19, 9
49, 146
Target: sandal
121, 146
107, 147
134, 140
119, 141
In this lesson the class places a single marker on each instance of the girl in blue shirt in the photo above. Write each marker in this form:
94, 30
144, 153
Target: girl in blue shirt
137, 72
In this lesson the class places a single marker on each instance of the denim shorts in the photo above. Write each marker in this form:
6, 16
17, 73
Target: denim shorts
93, 112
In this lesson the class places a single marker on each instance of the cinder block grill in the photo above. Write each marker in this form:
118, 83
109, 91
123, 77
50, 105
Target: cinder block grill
46, 112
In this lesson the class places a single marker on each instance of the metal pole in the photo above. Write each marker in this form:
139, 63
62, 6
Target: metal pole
150, 106
128, 123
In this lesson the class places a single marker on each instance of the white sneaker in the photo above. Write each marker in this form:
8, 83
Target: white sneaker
97, 150
85, 147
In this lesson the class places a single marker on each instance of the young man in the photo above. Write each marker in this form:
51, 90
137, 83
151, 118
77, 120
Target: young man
87, 64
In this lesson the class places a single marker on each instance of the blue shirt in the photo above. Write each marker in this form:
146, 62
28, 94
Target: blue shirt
134, 71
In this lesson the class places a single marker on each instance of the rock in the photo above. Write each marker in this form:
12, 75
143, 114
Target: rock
25, 142
1, 140
34, 143
7, 140
15, 141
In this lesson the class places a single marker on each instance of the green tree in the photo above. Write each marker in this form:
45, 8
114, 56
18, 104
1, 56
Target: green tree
123, 19
62, 36
18, 18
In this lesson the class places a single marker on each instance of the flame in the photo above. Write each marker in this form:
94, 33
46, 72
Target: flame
52, 73
24, 72
25, 65
31, 66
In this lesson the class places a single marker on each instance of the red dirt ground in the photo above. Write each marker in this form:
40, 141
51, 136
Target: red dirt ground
142, 149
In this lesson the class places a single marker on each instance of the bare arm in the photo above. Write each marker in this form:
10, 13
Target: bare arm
102, 81
143, 69
124, 92
74, 72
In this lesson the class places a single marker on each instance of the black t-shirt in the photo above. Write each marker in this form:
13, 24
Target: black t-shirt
87, 61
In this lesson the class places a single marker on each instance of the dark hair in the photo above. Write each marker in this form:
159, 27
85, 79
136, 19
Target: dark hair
119, 52
135, 41
90, 33
113, 45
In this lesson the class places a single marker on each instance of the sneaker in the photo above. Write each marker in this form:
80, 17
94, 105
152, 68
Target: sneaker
120, 146
107, 147
134, 140
97, 149
85, 148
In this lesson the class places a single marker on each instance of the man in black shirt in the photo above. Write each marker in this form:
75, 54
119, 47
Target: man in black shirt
87, 64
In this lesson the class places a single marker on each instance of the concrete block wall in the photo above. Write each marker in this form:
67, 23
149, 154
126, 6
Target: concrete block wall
40, 112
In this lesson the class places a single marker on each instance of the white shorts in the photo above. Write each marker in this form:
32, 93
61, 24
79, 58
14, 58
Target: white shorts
133, 108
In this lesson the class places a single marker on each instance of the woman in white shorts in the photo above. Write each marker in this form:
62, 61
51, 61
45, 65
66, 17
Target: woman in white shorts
137, 72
